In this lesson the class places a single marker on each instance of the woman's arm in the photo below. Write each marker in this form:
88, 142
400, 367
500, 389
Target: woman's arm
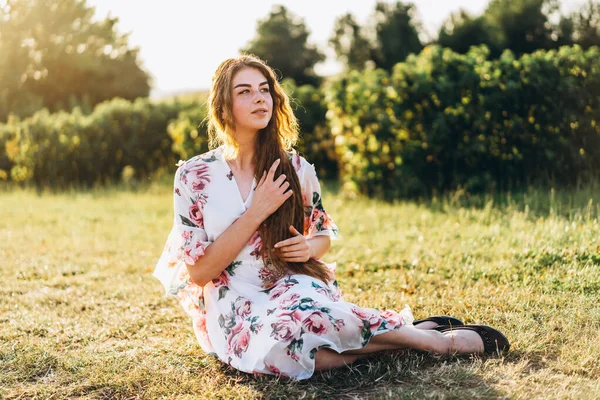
269, 195
224, 249
319, 246
298, 248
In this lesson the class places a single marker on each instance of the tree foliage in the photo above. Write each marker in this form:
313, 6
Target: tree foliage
388, 38
585, 24
522, 26
55, 55
462, 30
397, 33
350, 43
282, 40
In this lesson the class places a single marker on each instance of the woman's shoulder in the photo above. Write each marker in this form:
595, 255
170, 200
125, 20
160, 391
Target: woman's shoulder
199, 164
204, 158
301, 165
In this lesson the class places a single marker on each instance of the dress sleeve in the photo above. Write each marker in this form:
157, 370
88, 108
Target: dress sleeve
186, 242
316, 220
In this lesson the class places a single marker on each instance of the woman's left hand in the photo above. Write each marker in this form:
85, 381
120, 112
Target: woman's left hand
294, 249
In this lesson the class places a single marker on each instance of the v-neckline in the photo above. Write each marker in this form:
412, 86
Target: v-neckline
244, 202
237, 186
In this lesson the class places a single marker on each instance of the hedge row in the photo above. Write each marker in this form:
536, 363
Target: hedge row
440, 120
65, 149
122, 139
443, 120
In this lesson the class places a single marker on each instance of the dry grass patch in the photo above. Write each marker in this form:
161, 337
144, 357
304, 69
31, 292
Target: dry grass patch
82, 317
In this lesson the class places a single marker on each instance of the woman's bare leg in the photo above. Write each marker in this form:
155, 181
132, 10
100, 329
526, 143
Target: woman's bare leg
426, 325
455, 342
459, 341
329, 359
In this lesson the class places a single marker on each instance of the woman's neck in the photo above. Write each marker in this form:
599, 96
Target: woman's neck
244, 161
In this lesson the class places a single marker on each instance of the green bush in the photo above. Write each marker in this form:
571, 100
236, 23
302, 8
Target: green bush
443, 120
188, 132
316, 141
62, 149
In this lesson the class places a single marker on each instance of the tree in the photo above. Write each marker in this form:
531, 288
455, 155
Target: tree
564, 31
522, 26
282, 41
461, 31
586, 25
390, 36
397, 33
351, 46
54, 55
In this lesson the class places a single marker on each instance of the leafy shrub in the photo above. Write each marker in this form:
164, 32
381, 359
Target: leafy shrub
442, 120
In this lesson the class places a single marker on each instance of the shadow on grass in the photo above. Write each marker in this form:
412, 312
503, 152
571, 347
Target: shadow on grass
404, 374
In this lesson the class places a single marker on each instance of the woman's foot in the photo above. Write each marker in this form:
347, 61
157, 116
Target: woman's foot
470, 339
464, 342
436, 322
426, 325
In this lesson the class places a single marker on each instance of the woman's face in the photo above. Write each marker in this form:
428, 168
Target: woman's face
252, 102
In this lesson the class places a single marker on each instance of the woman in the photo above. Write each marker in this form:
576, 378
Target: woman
249, 231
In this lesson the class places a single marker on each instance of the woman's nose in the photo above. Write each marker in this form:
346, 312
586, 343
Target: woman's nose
260, 98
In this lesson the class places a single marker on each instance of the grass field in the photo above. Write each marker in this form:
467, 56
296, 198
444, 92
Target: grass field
82, 317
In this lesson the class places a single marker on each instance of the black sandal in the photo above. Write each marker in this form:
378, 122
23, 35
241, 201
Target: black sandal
443, 322
494, 342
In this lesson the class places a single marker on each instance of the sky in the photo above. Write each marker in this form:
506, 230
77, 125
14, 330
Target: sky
183, 41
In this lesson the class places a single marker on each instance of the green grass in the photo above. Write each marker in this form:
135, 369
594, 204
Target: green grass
82, 317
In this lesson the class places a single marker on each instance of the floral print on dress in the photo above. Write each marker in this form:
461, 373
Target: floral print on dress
269, 275
298, 316
188, 238
333, 295
239, 326
256, 243
316, 219
221, 282
252, 316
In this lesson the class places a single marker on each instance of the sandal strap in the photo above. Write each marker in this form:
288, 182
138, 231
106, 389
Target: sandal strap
441, 320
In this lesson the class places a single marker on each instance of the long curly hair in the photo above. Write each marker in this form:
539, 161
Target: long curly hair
275, 141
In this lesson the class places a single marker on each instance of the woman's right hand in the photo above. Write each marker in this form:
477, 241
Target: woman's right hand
270, 193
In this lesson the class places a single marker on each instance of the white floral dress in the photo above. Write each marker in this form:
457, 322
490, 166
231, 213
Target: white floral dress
248, 317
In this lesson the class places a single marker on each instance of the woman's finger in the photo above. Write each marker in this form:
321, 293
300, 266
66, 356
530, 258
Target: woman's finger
297, 253
280, 179
294, 231
284, 186
287, 195
289, 241
262, 179
293, 248
283, 243
296, 259
272, 170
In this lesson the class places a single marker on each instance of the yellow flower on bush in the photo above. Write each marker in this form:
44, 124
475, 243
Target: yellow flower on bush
128, 173
12, 149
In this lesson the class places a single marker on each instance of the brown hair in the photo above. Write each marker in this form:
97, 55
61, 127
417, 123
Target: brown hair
273, 142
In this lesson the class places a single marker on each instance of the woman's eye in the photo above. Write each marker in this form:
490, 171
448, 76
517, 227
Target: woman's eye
264, 90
